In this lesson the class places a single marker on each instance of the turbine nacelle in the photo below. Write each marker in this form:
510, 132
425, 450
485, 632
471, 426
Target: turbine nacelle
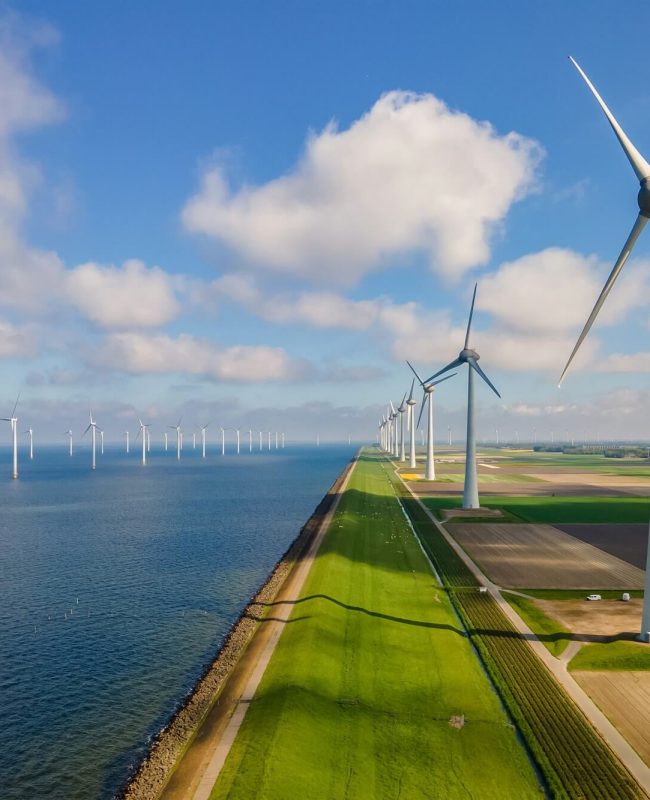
466, 354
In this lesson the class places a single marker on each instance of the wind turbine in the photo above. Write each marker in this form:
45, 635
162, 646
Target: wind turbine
193, 440
203, 427
30, 433
128, 447
260, 441
269, 439
276, 440
13, 421
410, 404
642, 170
223, 441
166, 441
428, 388
469, 357
101, 438
283, 440
143, 433
250, 440
401, 409
70, 441
92, 427
177, 428
237, 431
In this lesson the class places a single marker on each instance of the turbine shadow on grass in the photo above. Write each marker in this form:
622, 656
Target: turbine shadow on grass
361, 610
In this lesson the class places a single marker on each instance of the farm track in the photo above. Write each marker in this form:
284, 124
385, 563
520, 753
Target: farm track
575, 762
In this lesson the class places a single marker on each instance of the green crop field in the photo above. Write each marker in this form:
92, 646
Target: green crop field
554, 636
374, 690
616, 656
552, 510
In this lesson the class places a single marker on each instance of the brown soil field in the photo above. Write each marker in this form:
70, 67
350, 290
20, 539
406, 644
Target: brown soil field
636, 486
543, 488
596, 620
626, 540
624, 697
542, 557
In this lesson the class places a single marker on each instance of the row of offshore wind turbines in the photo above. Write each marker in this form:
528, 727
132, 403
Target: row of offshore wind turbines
144, 435
392, 441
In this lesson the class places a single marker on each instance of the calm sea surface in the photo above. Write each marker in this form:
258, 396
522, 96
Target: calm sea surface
117, 587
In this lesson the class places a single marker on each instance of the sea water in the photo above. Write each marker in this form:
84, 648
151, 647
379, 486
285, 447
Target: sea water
116, 589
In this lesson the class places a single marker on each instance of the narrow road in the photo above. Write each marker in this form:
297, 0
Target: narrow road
617, 743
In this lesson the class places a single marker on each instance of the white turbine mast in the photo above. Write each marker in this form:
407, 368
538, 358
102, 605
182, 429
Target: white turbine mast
223, 441
179, 438
237, 432
642, 171
144, 428
428, 388
203, 427
128, 445
30, 434
13, 422
469, 357
92, 427
70, 442
410, 405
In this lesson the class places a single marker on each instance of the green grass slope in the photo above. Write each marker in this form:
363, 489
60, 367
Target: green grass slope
554, 636
358, 697
616, 656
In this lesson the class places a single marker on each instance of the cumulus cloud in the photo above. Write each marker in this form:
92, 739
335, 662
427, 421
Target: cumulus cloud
16, 340
130, 296
140, 353
554, 290
410, 175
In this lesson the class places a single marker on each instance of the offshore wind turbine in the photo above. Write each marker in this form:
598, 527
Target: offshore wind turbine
260, 441
92, 427
101, 438
237, 431
428, 388
143, 433
70, 441
193, 440
203, 427
223, 441
410, 404
166, 441
128, 445
13, 421
250, 440
469, 357
642, 171
30, 434
401, 409
177, 428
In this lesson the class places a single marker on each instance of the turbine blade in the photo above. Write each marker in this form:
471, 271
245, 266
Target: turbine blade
411, 392
638, 162
639, 225
425, 395
86, 431
474, 365
446, 378
415, 373
403, 399
456, 363
471, 314
13, 413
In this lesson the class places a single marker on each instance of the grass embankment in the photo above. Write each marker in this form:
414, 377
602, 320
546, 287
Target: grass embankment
550, 632
574, 760
614, 656
557, 509
374, 690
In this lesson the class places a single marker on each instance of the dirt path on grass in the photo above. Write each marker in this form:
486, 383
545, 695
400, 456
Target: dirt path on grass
199, 768
619, 745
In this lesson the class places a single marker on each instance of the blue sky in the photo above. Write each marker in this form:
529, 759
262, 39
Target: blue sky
255, 211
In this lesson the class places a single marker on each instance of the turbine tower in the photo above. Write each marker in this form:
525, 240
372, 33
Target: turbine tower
143, 433
92, 427
402, 408
469, 357
177, 428
13, 421
642, 170
30, 433
428, 388
166, 441
237, 431
70, 441
128, 445
411, 403
203, 427
223, 441
250, 440
101, 438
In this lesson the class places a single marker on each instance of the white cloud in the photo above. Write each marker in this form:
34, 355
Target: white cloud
130, 296
16, 340
409, 175
140, 354
625, 362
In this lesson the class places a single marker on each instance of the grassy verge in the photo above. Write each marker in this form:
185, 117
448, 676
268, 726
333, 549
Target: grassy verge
558, 509
374, 690
615, 656
574, 760
551, 633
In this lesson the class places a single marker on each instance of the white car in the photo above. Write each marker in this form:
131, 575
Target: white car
594, 597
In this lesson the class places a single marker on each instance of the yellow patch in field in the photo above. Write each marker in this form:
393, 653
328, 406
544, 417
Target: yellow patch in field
410, 476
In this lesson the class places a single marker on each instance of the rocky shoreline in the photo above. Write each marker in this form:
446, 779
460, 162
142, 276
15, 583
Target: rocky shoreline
150, 776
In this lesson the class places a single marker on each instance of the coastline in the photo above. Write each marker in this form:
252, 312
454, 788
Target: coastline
155, 768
